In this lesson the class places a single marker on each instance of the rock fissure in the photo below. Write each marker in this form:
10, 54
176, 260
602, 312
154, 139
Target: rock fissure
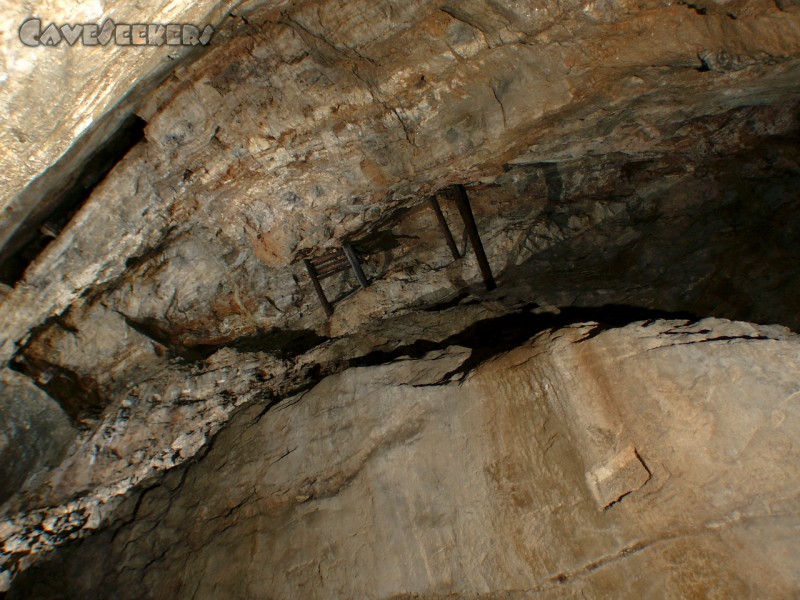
735, 519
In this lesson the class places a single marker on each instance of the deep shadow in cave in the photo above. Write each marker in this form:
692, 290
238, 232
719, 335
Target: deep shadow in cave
723, 242
54, 214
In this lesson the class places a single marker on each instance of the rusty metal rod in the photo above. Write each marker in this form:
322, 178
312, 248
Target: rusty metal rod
329, 271
448, 236
353, 258
462, 202
312, 272
328, 258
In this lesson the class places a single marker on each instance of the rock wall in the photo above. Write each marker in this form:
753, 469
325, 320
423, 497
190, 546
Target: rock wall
642, 155
655, 460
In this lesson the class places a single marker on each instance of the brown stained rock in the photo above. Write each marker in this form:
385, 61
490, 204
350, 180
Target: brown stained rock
183, 341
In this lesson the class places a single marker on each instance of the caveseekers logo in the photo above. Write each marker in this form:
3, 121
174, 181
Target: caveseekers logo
122, 34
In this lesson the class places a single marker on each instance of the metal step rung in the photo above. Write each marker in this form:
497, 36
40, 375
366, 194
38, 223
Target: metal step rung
333, 269
328, 258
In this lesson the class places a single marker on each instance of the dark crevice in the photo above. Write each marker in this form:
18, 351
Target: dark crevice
700, 10
162, 341
444, 305
509, 331
491, 337
553, 180
134, 262
725, 338
486, 339
55, 212
281, 343
79, 396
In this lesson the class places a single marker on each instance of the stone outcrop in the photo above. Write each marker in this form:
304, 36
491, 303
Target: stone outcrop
414, 479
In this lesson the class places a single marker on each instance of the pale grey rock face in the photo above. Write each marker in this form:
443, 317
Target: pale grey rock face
404, 480
626, 160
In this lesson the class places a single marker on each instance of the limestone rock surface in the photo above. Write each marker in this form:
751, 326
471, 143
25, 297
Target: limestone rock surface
410, 480
625, 161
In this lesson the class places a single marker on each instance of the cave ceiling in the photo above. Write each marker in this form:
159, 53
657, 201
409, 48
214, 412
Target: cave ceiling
158, 204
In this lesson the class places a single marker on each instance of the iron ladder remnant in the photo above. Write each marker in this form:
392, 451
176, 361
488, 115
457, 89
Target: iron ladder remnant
330, 264
337, 261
